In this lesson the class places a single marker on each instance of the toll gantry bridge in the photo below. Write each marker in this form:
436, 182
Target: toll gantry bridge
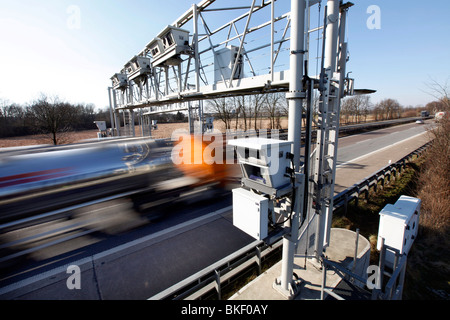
259, 48
215, 49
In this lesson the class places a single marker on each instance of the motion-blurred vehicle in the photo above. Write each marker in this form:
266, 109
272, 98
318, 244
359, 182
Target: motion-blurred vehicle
37, 180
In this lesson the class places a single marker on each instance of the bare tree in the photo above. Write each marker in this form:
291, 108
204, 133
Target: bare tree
241, 109
440, 91
257, 101
356, 107
364, 106
50, 115
223, 110
434, 106
348, 108
275, 105
389, 108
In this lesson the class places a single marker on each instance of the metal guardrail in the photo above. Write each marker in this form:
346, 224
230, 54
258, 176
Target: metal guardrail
212, 277
218, 273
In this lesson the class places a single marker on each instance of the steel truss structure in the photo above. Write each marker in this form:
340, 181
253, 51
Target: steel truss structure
264, 46
225, 51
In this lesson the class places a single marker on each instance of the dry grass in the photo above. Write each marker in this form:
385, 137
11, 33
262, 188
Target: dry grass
434, 184
164, 131
428, 269
428, 178
67, 137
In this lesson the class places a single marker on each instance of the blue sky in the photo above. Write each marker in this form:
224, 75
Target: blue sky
42, 52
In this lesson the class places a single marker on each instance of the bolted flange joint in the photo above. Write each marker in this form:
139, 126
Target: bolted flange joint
295, 95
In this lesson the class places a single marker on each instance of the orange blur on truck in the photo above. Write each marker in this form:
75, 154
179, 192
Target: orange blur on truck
202, 157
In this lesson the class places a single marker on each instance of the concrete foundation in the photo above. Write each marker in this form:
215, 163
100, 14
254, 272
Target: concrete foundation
341, 250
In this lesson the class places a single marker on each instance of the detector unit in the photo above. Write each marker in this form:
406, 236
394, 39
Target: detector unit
137, 67
167, 47
119, 81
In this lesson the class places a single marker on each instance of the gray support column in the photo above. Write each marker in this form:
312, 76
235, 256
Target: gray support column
295, 99
330, 57
110, 91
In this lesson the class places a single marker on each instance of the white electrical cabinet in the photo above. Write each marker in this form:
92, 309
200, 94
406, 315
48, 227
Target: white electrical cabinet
101, 125
224, 62
250, 213
399, 224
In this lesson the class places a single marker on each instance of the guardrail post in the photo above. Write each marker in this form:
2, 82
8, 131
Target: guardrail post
258, 259
366, 192
217, 284
345, 204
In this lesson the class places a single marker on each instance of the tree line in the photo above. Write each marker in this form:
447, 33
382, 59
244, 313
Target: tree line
356, 109
51, 115
45, 115
243, 112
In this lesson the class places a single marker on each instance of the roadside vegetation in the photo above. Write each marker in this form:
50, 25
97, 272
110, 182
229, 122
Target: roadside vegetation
428, 274
58, 119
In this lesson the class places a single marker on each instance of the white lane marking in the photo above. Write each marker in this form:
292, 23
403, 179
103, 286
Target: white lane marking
87, 263
379, 150
171, 230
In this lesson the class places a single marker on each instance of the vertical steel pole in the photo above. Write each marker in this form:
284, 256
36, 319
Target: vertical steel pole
190, 118
332, 35
330, 56
133, 132
200, 114
295, 100
343, 53
196, 53
111, 111
116, 116
402, 280
272, 37
295, 95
